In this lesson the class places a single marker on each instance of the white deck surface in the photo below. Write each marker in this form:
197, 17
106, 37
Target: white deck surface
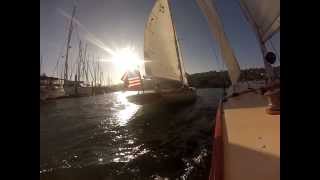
251, 139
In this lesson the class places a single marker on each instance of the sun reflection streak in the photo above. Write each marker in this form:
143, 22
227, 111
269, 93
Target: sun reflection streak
129, 154
126, 112
89, 36
129, 109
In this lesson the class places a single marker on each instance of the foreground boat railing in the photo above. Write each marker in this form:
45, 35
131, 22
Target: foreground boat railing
216, 172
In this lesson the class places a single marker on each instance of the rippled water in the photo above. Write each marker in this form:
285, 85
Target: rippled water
106, 137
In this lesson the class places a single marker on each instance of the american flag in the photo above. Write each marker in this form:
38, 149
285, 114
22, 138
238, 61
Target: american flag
132, 79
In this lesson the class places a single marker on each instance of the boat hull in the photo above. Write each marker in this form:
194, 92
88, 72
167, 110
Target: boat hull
81, 91
51, 92
170, 97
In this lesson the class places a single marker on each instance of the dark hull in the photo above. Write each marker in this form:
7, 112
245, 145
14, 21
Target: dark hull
183, 96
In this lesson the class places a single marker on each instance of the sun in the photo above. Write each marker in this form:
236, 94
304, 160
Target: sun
126, 59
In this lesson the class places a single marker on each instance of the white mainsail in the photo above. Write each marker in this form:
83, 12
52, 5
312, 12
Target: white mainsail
217, 30
264, 15
160, 47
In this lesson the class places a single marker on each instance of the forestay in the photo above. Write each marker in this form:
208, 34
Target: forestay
217, 30
159, 44
183, 72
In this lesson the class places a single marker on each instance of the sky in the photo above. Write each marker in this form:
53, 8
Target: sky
121, 23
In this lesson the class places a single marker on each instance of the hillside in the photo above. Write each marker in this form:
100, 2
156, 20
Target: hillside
215, 79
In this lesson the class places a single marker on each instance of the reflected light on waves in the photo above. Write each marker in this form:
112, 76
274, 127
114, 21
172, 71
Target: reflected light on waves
124, 115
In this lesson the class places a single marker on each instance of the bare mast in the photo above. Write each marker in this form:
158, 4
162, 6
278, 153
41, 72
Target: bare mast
79, 64
41, 60
68, 43
85, 64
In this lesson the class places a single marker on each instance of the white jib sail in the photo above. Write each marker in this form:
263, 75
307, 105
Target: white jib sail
264, 15
159, 44
218, 33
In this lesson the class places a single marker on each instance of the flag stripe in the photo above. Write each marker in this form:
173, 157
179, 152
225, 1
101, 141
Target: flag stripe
134, 81
134, 78
134, 85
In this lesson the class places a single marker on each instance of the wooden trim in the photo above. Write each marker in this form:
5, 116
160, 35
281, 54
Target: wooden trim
216, 172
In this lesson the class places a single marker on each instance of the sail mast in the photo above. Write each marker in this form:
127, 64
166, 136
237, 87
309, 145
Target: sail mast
68, 43
85, 64
41, 60
176, 45
79, 62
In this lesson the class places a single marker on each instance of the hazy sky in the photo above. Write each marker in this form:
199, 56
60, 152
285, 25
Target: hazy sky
119, 23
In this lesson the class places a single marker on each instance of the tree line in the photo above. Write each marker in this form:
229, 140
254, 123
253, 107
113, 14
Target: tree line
220, 79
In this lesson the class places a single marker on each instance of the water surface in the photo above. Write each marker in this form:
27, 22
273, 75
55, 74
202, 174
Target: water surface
106, 137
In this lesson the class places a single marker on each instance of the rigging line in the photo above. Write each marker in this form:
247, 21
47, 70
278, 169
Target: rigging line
248, 16
55, 69
41, 61
90, 67
224, 79
223, 70
272, 46
85, 64
218, 63
79, 63
73, 67
176, 43
79, 57
221, 67
257, 31
82, 66
217, 59
58, 59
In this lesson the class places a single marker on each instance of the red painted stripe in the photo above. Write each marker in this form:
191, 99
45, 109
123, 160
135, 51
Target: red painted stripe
216, 172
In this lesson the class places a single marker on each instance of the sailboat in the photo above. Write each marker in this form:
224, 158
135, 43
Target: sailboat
78, 87
50, 87
165, 65
246, 141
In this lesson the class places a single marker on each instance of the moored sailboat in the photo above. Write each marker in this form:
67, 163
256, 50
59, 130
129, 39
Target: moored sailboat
51, 88
165, 65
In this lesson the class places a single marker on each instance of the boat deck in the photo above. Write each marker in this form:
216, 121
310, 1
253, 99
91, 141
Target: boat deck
251, 139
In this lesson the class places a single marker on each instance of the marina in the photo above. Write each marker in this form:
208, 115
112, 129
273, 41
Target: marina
145, 91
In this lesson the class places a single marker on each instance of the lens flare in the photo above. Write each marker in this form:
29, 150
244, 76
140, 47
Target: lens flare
126, 59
